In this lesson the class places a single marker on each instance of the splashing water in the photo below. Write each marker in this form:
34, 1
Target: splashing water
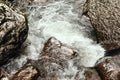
63, 20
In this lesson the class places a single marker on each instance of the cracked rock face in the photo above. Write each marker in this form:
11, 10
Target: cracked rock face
105, 18
13, 31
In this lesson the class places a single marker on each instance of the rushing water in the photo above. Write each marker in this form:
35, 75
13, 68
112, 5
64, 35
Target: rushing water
63, 20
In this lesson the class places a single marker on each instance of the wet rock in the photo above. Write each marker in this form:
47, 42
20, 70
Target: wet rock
26, 73
109, 68
91, 74
105, 18
13, 32
54, 59
87, 74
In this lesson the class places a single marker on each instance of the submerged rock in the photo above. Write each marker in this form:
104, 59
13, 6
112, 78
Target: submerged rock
13, 32
105, 18
109, 68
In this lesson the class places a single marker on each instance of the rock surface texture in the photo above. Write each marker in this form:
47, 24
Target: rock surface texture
27, 73
13, 31
109, 68
105, 18
54, 60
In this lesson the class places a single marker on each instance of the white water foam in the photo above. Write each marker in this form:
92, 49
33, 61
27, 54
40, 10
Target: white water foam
61, 19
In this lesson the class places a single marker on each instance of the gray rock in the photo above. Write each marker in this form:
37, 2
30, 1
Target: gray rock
13, 31
105, 18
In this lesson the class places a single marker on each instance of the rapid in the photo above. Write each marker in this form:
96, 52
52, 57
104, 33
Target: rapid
63, 20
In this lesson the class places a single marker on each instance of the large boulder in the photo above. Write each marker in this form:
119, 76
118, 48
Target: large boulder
105, 18
13, 32
54, 60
